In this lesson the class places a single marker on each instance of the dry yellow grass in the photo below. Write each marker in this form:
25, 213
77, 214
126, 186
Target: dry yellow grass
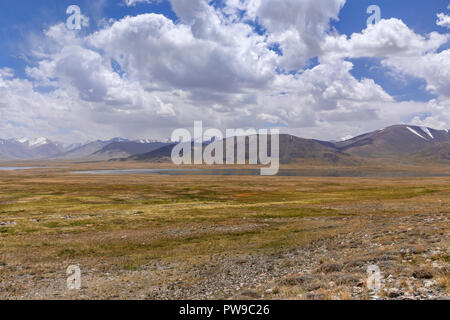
117, 227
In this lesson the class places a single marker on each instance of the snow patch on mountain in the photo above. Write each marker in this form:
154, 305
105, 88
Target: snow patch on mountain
348, 137
416, 133
23, 140
38, 142
427, 131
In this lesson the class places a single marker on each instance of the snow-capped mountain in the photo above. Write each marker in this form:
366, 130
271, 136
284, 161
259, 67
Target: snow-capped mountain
23, 140
109, 149
29, 149
43, 148
125, 149
399, 140
83, 151
153, 141
34, 143
394, 140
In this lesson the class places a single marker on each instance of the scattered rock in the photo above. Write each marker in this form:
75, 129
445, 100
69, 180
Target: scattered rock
251, 294
331, 267
422, 274
315, 296
394, 293
429, 284
296, 280
8, 223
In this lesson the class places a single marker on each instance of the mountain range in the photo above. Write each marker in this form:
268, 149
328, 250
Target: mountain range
399, 141
26, 149
418, 143
45, 149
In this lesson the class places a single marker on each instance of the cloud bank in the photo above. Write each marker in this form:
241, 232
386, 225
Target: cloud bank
249, 63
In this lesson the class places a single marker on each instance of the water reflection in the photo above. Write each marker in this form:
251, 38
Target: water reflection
257, 172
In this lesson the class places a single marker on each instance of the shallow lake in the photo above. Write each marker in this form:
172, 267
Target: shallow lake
17, 168
256, 172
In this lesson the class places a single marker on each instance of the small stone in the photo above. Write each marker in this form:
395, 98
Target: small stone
7, 223
422, 274
394, 293
332, 267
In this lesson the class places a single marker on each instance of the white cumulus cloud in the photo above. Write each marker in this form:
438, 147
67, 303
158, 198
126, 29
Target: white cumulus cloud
145, 75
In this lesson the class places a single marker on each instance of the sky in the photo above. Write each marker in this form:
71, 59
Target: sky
143, 68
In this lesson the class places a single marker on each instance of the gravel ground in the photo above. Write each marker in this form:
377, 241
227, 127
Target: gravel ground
411, 252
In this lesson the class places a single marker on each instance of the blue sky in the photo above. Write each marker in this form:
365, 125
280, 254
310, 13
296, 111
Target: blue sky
418, 15
235, 82
21, 19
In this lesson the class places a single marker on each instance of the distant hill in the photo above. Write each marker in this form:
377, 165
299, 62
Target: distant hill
29, 149
392, 141
439, 153
83, 151
45, 149
161, 154
125, 149
395, 142
13, 150
291, 148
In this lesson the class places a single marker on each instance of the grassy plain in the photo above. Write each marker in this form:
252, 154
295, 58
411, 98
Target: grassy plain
204, 237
